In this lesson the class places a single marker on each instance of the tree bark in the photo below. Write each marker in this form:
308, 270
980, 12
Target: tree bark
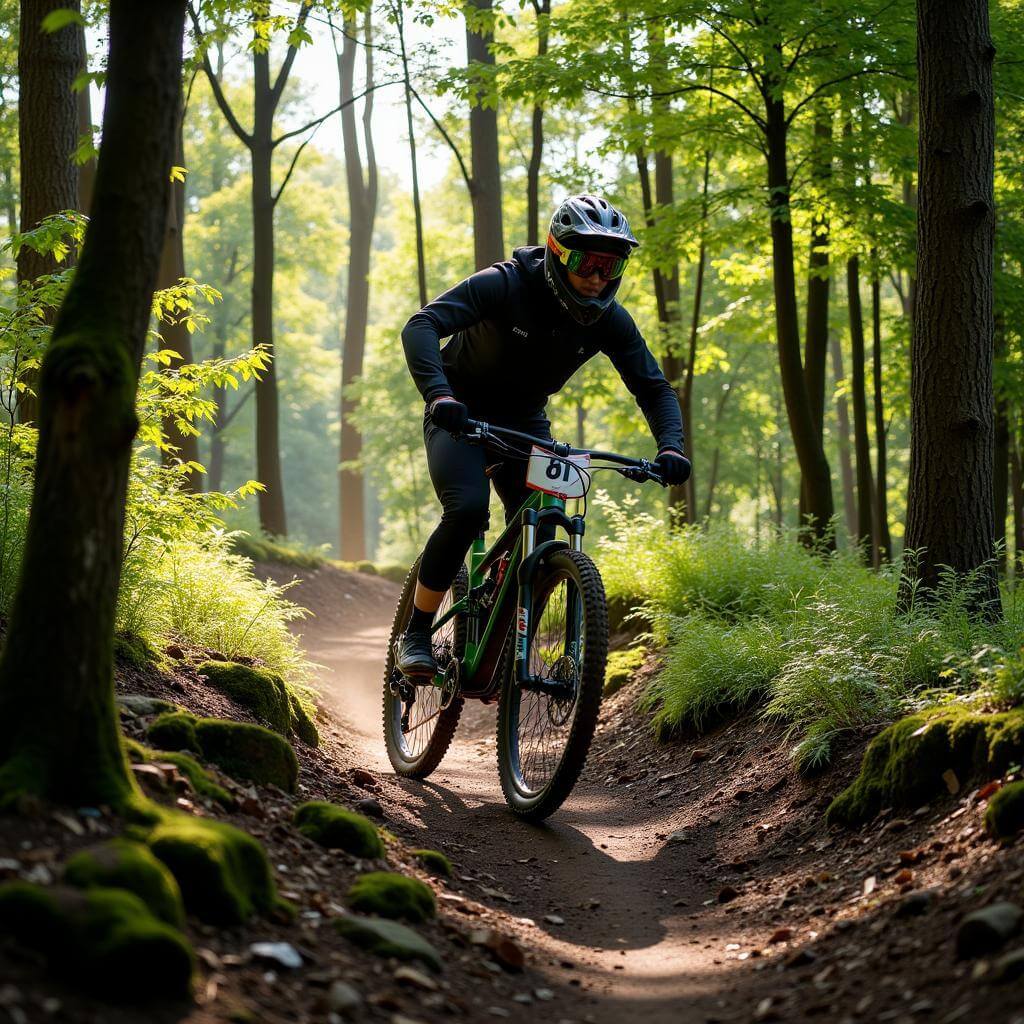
1001, 454
843, 422
48, 63
542, 9
175, 336
268, 443
488, 234
810, 452
818, 284
362, 202
883, 546
858, 396
59, 736
949, 506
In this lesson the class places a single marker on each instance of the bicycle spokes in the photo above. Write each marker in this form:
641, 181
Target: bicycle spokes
546, 710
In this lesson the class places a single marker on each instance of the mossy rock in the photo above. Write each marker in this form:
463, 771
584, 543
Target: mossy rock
259, 691
393, 573
338, 828
174, 730
263, 693
302, 725
122, 864
200, 779
248, 752
388, 894
435, 863
366, 567
388, 938
105, 940
904, 764
1004, 816
134, 650
620, 668
223, 873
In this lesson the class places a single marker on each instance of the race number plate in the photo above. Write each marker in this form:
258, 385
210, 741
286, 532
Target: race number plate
555, 475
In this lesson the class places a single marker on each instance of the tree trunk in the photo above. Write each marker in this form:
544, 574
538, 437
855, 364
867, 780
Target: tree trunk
488, 235
268, 445
542, 9
818, 284
48, 63
883, 545
1001, 454
59, 737
810, 453
843, 422
175, 336
949, 504
362, 201
865, 534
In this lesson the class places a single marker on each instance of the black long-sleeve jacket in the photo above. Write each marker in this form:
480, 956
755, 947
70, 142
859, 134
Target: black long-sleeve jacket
512, 346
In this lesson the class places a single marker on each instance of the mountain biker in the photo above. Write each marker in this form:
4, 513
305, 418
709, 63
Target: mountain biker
519, 330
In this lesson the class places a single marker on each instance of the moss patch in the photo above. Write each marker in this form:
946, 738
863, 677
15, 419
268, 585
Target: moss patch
133, 650
388, 938
1004, 816
339, 829
103, 939
436, 863
621, 666
904, 764
122, 864
394, 896
248, 752
223, 873
174, 730
201, 780
263, 693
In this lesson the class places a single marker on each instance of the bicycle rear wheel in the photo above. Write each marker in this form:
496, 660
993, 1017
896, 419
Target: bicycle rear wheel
544, 738
420, 717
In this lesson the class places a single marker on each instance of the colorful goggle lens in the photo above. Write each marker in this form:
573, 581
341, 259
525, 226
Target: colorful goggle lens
606, 265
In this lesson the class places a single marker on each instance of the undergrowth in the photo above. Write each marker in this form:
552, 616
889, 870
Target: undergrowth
810, 641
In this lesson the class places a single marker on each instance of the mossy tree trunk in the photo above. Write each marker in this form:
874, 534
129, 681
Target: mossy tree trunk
949, 505
58, 729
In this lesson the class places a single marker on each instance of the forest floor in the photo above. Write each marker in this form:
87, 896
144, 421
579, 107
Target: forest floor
683, 882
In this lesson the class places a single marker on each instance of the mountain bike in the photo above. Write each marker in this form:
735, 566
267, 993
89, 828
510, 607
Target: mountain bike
526, 625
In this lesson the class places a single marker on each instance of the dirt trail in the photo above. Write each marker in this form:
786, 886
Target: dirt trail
601, 864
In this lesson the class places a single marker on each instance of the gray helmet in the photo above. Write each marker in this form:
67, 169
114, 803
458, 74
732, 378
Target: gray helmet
587, 223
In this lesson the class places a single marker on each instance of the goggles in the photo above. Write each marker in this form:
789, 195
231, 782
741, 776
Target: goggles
606, 265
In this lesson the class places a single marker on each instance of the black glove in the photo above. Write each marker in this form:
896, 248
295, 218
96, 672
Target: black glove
449, 414
673, 467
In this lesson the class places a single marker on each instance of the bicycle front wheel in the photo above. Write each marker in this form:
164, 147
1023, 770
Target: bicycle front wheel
544, 734
421, 716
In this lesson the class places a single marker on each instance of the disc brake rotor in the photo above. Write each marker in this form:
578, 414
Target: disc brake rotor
559, 709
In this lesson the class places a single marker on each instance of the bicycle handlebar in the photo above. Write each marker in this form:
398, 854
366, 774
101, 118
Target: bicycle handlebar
639, 470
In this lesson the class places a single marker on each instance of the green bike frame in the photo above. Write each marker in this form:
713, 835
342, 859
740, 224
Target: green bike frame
539, 515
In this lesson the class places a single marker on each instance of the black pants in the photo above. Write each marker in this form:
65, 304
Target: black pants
459, 473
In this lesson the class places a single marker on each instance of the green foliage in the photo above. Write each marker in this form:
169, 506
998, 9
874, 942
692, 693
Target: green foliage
1004, 816
904, 765
339, 829
248, 752
223, 873
387, 894
104, 940
813, 642
261, 548
174, 730
387, 939
134, 651
123, 864
434, 862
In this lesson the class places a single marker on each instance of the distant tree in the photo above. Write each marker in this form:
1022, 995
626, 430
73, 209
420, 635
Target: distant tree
59, 738
949, 505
